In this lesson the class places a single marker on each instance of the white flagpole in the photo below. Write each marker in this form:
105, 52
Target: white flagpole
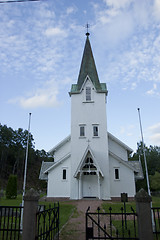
145, 162
25, 169
146, 168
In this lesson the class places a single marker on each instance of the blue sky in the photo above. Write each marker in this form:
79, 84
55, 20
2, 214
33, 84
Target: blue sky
41, 47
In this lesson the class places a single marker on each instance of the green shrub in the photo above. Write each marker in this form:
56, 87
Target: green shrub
11, 189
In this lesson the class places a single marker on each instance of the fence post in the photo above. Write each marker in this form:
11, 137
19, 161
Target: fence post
29, 215
143, 208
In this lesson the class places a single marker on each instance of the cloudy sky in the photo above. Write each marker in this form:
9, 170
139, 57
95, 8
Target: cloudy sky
41, 47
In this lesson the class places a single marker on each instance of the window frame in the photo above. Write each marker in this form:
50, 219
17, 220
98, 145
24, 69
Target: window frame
88, 94
64, 174
116, 174
82, 126
95, 132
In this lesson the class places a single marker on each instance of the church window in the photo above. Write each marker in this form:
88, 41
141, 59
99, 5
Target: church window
64, 174
88, 93
89, 167
116, 172
95, 130
82, 131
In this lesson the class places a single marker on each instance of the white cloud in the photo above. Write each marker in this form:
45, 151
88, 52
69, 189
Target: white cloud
156, 9
127, 130
133, 85
117, 4
155, 128
152, 91
71, 10
44, 96
154, 134
50, 32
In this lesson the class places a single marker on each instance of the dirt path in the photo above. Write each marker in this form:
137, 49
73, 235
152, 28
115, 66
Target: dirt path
75, 228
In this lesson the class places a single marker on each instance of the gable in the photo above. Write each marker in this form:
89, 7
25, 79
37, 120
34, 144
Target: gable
60, 161
61, 149
118, 147
135, 166
88, 163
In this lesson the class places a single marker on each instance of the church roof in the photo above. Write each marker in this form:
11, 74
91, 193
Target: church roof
88, 68
44, 167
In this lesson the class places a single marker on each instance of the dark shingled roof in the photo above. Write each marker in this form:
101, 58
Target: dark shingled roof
88, 67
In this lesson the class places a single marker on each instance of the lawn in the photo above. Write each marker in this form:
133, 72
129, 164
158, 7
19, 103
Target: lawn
65, 210
116, 207
11, 202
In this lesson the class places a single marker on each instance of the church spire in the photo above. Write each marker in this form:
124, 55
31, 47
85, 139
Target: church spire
88, 66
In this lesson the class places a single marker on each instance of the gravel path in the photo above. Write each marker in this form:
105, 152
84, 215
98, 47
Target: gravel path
75, 228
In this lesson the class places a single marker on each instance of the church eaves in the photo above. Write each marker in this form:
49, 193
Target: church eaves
88, 68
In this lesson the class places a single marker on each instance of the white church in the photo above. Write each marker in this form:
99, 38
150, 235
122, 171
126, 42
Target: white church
90, 162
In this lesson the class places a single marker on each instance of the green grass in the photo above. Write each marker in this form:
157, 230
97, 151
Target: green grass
156, 201
65, 211
11, 202
116, 206
123, 231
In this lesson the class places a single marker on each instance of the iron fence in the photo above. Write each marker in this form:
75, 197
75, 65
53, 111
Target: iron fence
156, 219
48, 223
10, 223
122, 225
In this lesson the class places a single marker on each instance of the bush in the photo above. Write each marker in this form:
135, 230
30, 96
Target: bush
11, 189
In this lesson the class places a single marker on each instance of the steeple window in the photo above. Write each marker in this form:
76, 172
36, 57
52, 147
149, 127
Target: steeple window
82, 130
95, 131
88, 94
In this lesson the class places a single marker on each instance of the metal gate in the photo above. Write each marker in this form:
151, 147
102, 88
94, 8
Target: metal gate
10, 222
48, 223
100, 225
156, 220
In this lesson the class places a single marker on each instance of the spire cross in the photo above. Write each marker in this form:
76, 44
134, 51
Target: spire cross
87, 26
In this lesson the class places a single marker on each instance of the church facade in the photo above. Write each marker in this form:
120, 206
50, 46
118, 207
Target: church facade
90, 162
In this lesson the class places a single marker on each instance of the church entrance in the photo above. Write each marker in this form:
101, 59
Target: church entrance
89, 178
89, 185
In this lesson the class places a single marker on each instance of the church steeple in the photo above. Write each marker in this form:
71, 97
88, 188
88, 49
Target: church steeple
88, 68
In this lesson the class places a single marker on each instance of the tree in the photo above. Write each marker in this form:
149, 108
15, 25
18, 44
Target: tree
153, 163
13, 145
11, 189
155, 181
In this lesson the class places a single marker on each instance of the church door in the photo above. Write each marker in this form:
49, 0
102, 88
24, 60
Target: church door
89, 185
89, 178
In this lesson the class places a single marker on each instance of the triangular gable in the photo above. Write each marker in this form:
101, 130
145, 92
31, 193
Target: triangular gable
86, 79
113, 138
60, 144
88, 151
122, 161
58, 162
